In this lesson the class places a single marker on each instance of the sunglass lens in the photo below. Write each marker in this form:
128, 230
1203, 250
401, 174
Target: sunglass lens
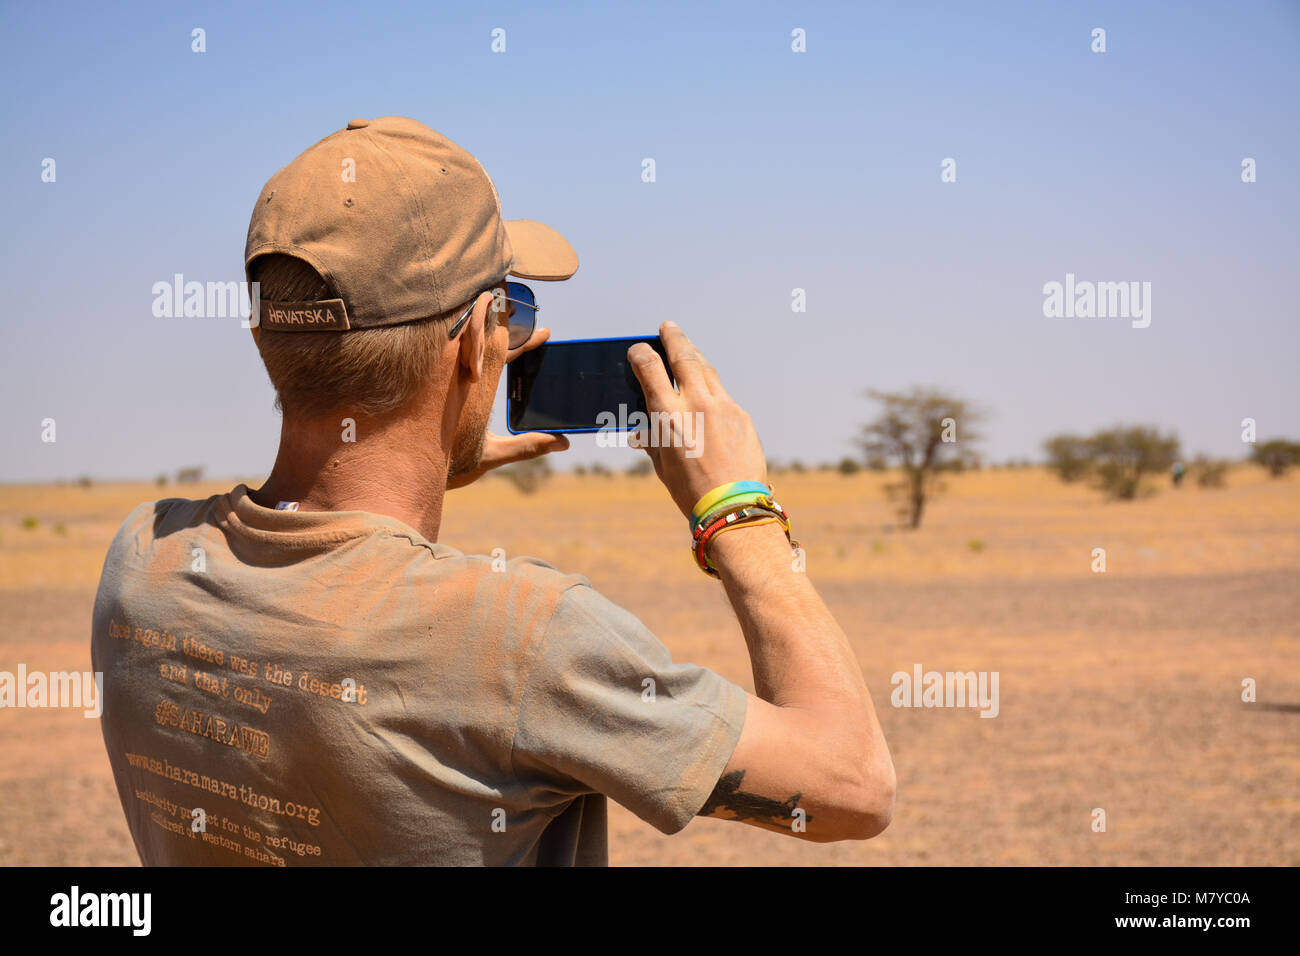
523, 313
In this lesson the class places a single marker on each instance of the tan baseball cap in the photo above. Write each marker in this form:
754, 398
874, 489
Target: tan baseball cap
400, 221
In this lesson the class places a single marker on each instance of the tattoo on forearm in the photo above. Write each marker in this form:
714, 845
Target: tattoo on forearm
727, 795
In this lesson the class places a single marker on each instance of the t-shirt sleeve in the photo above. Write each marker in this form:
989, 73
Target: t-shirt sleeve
605, 709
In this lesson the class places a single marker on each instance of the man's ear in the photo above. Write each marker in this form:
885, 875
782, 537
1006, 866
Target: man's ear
473, 341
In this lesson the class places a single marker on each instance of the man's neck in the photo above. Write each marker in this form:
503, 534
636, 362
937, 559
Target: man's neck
397, 469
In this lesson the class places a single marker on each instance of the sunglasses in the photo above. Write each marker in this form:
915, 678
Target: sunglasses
520, 308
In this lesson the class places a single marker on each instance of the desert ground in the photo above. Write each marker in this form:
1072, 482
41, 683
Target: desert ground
1119, 690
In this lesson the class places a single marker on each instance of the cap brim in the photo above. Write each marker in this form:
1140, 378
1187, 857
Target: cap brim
540, 252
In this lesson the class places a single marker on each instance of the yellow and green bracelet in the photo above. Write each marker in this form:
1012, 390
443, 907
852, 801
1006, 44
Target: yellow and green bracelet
725, 494
734, 514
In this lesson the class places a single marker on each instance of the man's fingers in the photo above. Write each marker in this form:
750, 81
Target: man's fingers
711, 377
536, 444
539, 337
687, 362
514, 448
650, 372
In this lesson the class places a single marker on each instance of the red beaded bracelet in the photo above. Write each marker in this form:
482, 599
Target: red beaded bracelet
730, 516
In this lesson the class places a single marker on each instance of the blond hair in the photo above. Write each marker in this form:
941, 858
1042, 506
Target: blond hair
369, 371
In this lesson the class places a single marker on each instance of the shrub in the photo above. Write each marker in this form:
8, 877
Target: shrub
1120, 458
1114, 459
1210, 472
1277, 455
528, 476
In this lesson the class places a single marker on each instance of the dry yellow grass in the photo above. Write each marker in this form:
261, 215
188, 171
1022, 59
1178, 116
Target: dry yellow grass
1118, 690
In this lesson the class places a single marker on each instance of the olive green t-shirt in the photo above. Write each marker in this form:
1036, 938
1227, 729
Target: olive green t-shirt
288, 687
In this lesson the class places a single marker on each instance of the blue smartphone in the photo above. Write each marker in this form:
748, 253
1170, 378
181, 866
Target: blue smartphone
580, 385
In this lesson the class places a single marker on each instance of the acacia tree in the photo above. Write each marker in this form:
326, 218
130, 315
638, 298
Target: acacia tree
1115, 459
924, 431
1122, 456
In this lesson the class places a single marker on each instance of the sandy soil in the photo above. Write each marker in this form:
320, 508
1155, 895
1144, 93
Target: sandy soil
1119, 691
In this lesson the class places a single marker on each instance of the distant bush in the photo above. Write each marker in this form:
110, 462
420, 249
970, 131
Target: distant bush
849, 466
1209, 472
1122, 456
1115, 460
84, 481
797, 467
161, 481
641, 468
528, 476
190, 475
600, 470
1068, 456
30, 523
580, 470
1277, 455
975, 544
61, 529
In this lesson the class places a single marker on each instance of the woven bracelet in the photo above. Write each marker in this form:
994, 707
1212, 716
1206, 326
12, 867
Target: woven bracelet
732, 502
743, 500
725, 519
752, 515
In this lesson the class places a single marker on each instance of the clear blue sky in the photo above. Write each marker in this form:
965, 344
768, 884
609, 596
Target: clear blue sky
775, 170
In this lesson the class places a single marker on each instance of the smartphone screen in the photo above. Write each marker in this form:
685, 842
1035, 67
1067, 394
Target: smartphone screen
576, 386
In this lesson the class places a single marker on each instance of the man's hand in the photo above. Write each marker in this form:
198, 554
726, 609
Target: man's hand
726, 446
501, 450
